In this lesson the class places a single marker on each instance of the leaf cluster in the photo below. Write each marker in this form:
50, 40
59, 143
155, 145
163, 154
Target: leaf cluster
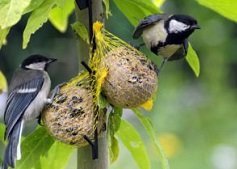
39, 149
39, 11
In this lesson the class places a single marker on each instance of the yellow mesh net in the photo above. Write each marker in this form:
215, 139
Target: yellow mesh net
74, 113
106, 42
77, 110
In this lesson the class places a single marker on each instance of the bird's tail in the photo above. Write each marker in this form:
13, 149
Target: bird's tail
13, 152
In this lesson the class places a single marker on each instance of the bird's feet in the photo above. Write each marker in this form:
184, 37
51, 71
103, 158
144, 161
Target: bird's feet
54, 92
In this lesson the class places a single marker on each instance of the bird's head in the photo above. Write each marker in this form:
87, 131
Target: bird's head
181, 26
37, 62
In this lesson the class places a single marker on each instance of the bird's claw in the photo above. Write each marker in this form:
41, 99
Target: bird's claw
55, 92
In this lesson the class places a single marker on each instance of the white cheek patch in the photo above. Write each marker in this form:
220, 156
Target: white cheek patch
37, 66
176, 26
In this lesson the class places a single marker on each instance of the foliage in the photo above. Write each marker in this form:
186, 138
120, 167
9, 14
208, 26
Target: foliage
38, 17
58, 16
193, 60
58, 156
135, 10
3, 35
3, 83
149, 128
132, 140
227, 8
39, 146
81, 31
11, 11
2, 128
107, 9
34, 147
114, 124
40, 151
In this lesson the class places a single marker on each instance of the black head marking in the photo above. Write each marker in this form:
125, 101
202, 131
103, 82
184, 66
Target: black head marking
34, 59
178, 34
188, 20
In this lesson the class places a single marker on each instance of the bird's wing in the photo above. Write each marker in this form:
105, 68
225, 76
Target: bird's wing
181, 52
19, 99
147, 21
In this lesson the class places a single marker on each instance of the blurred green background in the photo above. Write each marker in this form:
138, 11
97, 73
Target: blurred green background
195, 118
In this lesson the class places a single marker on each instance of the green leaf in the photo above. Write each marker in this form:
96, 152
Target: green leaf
135, 10
33, 147
158, 3
34, 4
107, 9
11, 11
80, 30
2, 130
113, 149
227, 8
57, 157
132, 140
3, 36
36, 20
149, 128
114, 124
102, 102
59, 15
60, 3
115, 120
193, 60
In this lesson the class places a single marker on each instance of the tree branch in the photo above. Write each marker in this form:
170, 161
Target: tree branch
84, 159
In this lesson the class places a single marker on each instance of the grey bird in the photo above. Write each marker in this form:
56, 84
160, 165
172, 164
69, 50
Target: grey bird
166, 35
28, 93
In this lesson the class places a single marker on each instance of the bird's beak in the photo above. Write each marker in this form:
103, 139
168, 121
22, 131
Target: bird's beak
52, 60
195, 27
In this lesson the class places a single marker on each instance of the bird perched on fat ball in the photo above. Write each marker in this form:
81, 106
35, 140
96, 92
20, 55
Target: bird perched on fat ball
166, 35
28, 93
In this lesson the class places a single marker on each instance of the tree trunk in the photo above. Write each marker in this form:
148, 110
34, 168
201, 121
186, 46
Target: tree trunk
84, 154
83, 17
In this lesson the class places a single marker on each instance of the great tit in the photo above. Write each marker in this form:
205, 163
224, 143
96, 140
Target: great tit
28, 93
3, 95
166, 35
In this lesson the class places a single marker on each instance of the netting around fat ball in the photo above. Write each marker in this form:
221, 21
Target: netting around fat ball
120, 72
125, 76
74, 112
